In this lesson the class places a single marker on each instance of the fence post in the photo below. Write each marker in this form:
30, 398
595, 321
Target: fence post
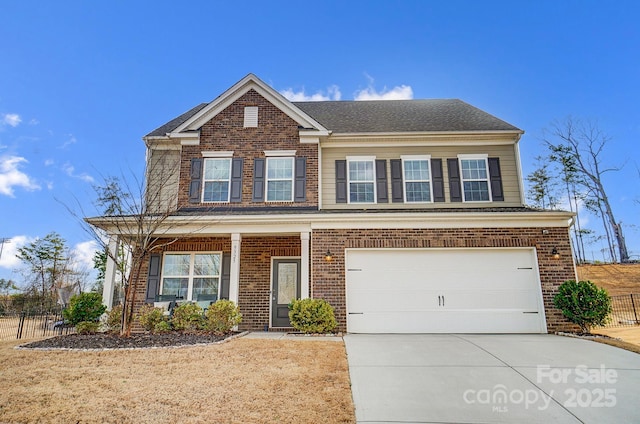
633, 304
21, 325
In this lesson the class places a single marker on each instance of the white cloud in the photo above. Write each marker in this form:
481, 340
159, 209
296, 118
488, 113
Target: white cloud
9, 259
11, 119
69, 142
49, 162
11, 176
401, 92
332, 93
84, 252
70, 171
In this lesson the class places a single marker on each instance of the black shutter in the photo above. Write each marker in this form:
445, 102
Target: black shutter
236, 180
341, 181
153, 277
455, 190
437, 180
195, 186
381, 181
300, 184
258, 179
397, 195
497, 193
225, 277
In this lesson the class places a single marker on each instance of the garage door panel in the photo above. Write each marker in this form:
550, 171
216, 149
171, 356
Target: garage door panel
443, 290
381, 300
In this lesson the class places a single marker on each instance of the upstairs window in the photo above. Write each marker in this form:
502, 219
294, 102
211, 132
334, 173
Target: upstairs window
417, 179
280, 179
188, 275
475, 179
217, 178
361, 180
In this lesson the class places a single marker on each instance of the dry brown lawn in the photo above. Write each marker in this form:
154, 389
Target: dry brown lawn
241, 381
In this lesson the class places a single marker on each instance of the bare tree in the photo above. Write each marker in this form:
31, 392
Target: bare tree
582, 143
135, 212
542, 189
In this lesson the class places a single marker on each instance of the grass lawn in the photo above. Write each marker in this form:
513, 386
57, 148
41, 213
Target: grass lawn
242, 381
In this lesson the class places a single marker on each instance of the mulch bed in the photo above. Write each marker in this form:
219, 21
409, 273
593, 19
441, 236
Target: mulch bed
115, 341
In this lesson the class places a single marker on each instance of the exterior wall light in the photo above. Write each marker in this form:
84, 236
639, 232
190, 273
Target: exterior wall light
555, 254
328, 256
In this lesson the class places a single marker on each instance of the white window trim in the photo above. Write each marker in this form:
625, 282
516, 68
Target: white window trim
218, 155
478, 156
279, 153
191, 276
426, 158
371, 159
267, 179
204, 180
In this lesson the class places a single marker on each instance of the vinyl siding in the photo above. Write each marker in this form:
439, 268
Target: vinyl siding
506, 153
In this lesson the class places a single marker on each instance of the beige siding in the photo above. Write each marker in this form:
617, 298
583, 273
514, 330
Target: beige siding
506, 153
162, 184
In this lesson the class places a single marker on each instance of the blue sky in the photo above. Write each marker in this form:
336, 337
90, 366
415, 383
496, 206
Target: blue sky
81, 82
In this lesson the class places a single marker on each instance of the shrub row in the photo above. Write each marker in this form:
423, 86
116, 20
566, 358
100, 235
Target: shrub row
219, 318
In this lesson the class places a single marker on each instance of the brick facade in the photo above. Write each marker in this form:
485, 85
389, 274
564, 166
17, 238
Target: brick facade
275, 131
328, 279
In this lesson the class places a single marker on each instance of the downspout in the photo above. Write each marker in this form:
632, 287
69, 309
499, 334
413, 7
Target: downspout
519, 167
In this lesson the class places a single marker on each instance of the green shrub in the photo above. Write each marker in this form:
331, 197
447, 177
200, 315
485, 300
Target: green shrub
187, 317
113, 322
312, 316
222, 316
84, 307
149, 317
162, 327
583, 303
87, 327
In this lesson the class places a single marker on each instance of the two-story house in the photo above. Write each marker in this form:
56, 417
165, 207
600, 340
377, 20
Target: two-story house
406, 216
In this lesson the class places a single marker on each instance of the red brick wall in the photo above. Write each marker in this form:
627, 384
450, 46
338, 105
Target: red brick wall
255, 276
275, 131
328, 279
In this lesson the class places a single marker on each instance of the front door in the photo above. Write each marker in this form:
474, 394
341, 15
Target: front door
286, 287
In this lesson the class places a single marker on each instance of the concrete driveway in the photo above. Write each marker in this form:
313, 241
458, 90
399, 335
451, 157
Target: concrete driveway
451, 378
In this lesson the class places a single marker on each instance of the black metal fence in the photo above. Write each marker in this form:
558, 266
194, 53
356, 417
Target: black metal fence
625, 311
31, 318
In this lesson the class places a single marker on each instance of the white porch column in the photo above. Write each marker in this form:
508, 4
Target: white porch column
110, 273
234, 277
304, 265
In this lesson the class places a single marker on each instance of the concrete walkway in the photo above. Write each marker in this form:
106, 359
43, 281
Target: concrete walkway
491, 379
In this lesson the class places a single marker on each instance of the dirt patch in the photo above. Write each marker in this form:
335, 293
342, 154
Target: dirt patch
617, 279
241, 381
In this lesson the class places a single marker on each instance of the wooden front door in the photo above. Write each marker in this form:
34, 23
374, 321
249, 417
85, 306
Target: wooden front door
286, 287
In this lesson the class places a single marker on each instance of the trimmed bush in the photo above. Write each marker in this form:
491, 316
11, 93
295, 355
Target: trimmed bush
162, 327
84, 307
87, 327
113, 321
583, 303
188, 317
312, 316
149, 317
222, 316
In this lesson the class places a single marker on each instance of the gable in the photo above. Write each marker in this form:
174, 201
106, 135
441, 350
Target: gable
247, 84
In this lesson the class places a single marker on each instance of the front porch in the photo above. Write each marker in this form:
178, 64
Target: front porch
260, 273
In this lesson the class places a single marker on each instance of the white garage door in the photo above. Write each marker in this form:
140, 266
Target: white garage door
443, 291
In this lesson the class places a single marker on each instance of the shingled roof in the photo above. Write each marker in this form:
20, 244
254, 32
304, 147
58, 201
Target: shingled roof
382, 116
379, 116
176, 122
